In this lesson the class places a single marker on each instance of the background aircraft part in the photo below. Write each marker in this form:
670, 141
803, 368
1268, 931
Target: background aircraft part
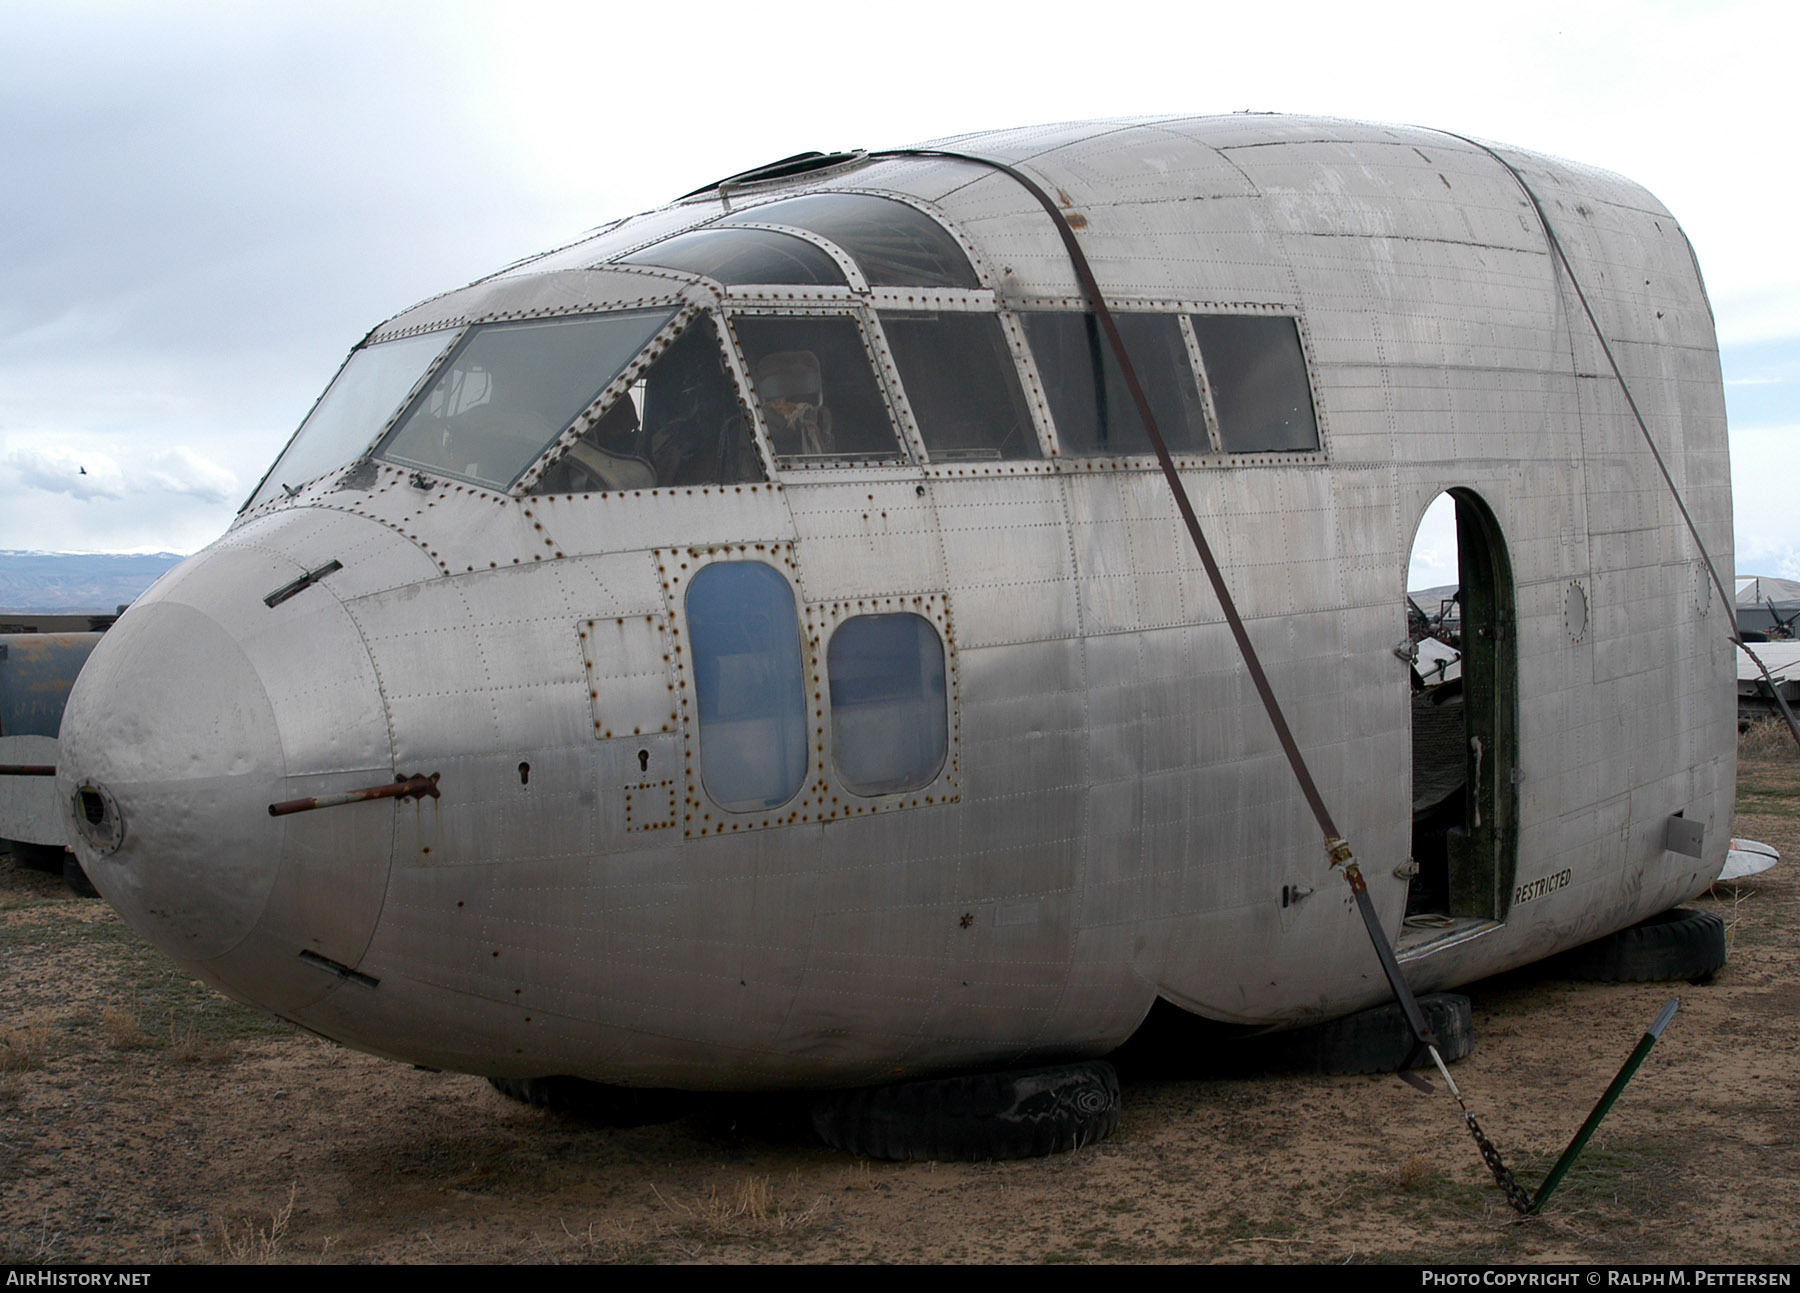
1019, 1113
1376, 1040
36, 672
1604, 1104
1676, 944
615, 1106
1780, 700
1747, 858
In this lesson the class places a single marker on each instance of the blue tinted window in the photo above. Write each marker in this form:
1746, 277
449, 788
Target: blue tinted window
889, 723
748, 683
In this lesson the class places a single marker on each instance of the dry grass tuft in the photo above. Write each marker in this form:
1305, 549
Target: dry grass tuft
609, 1241
190, 1048
24, 1046
1733, 892
123, 1032
749, 1202
751, 1209
257, 1244
1767, 738
1416, 1173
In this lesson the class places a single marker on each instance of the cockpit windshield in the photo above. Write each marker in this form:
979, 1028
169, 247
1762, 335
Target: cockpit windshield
352, 411
509, 389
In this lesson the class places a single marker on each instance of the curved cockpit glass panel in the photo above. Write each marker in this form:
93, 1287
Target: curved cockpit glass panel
680, 423
816, 389
1095, 414
961, 380
352, 411
509, 389
737, 256
894, 244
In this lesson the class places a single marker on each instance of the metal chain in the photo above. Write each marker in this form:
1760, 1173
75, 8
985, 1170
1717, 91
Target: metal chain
1509, 1184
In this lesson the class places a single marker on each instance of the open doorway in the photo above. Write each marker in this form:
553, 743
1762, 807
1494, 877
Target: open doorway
1461, 623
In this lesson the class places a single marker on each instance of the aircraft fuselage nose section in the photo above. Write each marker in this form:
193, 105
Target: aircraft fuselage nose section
201, 708
162, 770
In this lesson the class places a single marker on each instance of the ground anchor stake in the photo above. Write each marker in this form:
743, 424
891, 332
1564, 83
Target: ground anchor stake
1601, 1109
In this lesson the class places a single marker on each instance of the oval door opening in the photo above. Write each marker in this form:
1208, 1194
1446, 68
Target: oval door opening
1460, 617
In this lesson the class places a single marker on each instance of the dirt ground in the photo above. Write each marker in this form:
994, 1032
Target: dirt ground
145, 1119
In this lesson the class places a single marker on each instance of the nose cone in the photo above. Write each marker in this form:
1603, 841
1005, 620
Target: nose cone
201, 707
170, 755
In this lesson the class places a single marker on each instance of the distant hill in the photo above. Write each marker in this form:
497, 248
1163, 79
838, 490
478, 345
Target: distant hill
76, 583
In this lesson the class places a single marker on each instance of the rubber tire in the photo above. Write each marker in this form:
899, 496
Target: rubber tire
76, 878
1017, 1113
1377, 1040
613, 1106
47, 858
1680, 943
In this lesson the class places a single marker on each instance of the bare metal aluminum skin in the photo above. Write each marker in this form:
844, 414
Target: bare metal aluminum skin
603, 884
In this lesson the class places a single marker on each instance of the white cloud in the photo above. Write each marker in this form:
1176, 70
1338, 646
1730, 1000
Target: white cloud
1762, 500
60, 469
182, 471
84, 471
208, 203
1434, 550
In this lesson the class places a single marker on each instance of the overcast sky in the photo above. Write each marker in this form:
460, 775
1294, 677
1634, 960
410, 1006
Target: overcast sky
204, 206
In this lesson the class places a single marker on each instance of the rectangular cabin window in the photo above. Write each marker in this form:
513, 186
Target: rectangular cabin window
1095, 414
816, 388
889, 722
963, 385
1257, 374
749, 684
681, 423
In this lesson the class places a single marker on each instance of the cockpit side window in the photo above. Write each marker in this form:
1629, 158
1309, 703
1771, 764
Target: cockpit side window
352, 411
740, 256
1257, 373
963, 385
1095, 414
509, 389
816, 388
894, 245
680, 423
